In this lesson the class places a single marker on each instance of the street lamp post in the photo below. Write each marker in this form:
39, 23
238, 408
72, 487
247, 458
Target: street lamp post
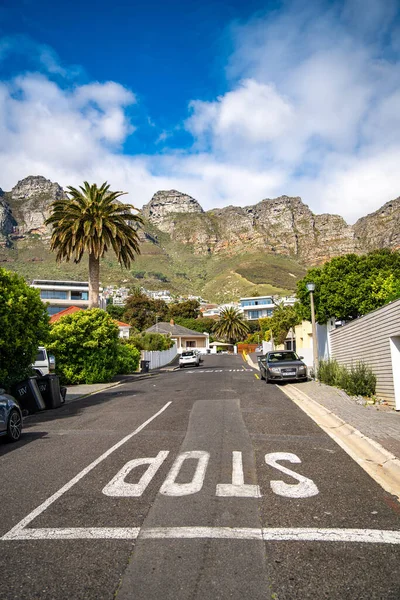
156, 323
311, 288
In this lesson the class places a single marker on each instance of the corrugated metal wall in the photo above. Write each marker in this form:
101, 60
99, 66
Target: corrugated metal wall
368, 339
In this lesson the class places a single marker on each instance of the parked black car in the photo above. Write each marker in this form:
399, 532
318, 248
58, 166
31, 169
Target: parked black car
10, 417
282, 365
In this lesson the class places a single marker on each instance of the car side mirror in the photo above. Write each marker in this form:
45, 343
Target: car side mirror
52, 362
301, 357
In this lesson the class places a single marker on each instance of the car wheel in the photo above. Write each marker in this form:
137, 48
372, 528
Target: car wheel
14, 426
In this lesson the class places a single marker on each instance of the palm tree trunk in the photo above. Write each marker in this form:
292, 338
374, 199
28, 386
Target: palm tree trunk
94, 281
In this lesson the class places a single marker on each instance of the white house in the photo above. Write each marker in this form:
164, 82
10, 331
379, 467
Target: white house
185, 338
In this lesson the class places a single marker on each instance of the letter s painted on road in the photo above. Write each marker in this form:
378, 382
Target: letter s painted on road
304, 489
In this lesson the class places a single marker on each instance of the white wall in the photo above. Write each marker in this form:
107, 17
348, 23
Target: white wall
159, 358
395, 353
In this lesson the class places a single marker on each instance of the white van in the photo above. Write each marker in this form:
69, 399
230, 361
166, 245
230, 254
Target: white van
44, 362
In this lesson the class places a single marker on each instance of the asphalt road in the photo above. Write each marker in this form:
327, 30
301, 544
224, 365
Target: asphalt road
198, 484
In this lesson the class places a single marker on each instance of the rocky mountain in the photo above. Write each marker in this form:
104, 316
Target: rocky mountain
221, 253
380, 229
165, 204
283, 226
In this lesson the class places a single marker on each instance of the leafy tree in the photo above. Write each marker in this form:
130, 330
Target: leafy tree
157, 275
24, 325
283, 319
254, 326
201, 325
189, 309
86, 346
115, 311
151, 341
231, 326
92, 219
141, 311
350, 286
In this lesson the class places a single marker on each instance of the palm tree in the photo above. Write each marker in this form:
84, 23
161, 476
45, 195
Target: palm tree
231, 326
92, 219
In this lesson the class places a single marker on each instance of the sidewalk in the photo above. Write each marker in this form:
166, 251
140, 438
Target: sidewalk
379, 423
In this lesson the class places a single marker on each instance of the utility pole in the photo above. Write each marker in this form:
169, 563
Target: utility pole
311, 289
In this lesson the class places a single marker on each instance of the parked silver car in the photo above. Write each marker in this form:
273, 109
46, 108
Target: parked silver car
282, 365
10, 417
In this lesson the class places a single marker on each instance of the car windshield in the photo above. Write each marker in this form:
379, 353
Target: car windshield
40, 356
282, 356
187, 353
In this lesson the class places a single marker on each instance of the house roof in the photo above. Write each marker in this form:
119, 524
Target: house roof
122, 324
174, 330
73, 309
67, 311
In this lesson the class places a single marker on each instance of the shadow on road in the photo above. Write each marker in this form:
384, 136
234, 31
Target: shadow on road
26, 438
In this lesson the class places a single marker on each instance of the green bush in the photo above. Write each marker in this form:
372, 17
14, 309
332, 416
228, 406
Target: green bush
329, 372
359, 380
128, 358
24, 325
151, 341
85, 345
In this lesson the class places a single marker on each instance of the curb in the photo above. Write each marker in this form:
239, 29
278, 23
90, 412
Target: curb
112, 385
250, 362
379, 463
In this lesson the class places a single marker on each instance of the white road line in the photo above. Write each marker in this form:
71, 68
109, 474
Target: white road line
72, 482
303, 534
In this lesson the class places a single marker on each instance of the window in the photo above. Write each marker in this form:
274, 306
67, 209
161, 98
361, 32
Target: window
40, 356
254, 314
79, 295
53, 295
190, 344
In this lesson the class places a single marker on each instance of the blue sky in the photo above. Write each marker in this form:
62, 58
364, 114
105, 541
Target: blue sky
229, 101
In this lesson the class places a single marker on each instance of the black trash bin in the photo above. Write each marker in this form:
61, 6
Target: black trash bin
49, 386
144, 366
28, 395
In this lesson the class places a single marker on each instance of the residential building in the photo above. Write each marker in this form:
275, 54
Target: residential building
59, 295
124, 329
185, 338
159, 295
257, 307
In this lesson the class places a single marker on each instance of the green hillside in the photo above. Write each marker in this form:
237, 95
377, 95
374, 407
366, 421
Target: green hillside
167, 264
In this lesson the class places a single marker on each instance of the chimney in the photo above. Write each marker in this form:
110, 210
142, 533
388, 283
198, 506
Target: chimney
172, 322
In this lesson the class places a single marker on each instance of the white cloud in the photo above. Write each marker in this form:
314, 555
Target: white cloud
252, 113
311, 109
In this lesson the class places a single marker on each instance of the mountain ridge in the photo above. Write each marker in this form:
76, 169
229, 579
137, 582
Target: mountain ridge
220, 253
